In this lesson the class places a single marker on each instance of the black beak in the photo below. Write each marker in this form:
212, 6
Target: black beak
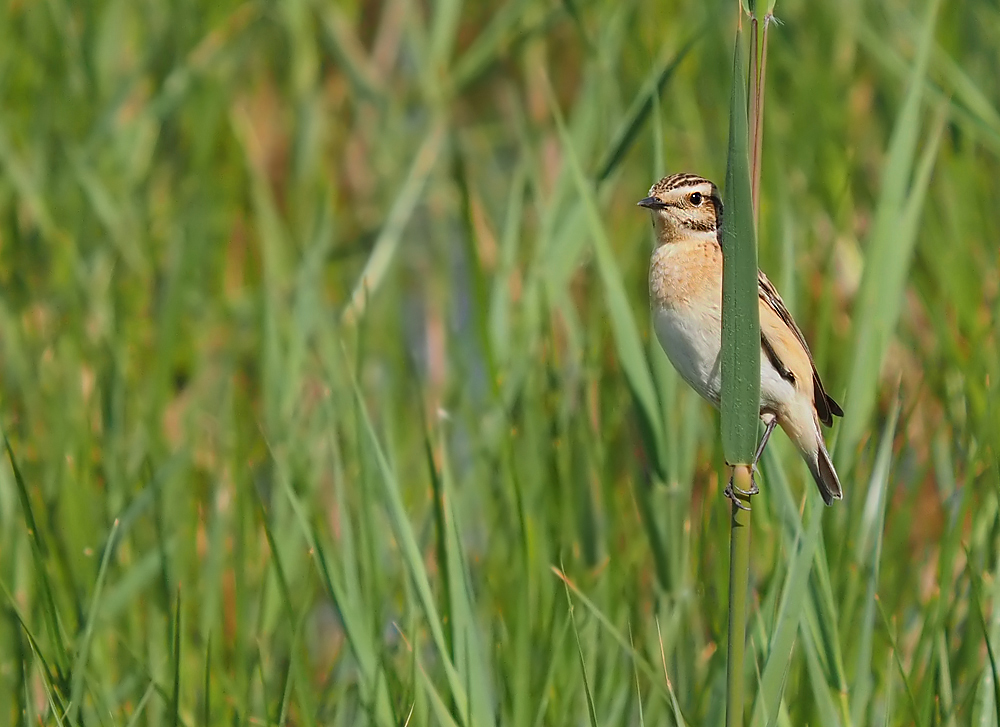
651, 203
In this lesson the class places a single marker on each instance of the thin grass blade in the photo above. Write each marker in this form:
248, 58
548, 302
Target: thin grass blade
870, 554
80, 663
628, 343
414, 561
889, 251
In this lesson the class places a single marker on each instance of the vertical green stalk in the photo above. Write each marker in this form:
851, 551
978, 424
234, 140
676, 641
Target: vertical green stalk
739, 577
741, 333
758, 53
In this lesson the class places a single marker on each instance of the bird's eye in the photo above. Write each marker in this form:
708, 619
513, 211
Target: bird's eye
695, 199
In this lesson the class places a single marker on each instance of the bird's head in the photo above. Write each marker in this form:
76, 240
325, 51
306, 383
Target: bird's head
684, 206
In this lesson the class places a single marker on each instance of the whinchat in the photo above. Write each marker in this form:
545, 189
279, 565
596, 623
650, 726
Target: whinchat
685, 291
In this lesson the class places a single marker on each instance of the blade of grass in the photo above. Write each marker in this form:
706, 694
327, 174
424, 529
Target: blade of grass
51, 686
206, 711
140, 707
968, 105
635, 675
740, 316
343, 587
512, 22
395, 222
441, 711
823, 617
551, 671
945, 679
641, 107
638, 660
466, 648
308, 708
870, 550
974, 579
827, 709
911, 702
646, 667
442, 36
412, 557
287, 682
678, 716
358, 633
175, 696
591, 710
890, 248
39, 555
500, 306
349, 51
628, 343
740, 356
30, 191
786, 627
80, 663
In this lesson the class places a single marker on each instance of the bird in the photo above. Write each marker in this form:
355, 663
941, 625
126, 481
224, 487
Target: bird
685, 291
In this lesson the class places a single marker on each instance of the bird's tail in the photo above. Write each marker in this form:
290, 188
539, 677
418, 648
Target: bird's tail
823, 472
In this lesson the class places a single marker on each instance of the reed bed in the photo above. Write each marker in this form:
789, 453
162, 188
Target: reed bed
328, 389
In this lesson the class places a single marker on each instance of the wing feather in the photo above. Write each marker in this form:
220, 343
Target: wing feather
826, 407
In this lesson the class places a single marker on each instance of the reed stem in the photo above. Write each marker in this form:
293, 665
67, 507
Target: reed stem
741, 333
739, 578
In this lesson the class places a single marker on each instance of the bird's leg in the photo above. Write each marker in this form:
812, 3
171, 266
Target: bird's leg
732, 490
769, 427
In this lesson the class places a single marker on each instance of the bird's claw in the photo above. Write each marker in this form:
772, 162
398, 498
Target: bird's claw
754, 490
737, 495
737, 501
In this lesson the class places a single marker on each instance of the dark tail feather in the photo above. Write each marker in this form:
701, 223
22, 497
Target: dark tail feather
825, 475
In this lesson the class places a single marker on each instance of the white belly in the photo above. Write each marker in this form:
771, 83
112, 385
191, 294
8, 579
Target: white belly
692, 349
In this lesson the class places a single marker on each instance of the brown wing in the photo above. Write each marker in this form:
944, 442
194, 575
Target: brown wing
826, 407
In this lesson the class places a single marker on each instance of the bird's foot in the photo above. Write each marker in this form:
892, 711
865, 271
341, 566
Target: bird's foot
738, 495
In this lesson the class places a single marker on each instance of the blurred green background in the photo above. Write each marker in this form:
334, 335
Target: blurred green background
326, 370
